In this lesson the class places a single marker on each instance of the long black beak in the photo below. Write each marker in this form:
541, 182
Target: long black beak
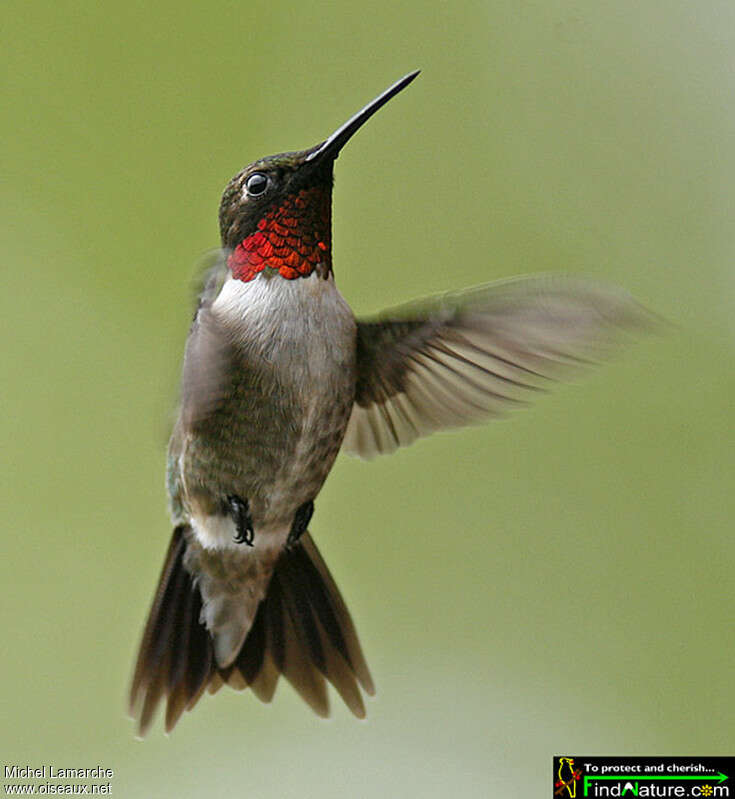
330, 148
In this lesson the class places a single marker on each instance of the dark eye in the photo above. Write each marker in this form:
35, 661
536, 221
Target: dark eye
256, 184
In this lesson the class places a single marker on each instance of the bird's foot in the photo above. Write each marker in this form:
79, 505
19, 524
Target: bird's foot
239, 509
301, 520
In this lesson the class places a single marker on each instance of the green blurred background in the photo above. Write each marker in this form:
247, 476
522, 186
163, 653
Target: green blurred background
558, 583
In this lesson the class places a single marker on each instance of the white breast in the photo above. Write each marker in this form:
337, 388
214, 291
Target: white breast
271, 301
303, 325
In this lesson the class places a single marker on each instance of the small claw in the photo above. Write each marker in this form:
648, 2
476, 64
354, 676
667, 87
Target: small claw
240, 512
301, 520
246, 537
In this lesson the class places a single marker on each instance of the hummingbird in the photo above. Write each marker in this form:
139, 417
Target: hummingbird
279, 377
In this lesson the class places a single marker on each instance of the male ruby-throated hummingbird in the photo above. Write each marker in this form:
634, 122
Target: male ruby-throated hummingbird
278, 376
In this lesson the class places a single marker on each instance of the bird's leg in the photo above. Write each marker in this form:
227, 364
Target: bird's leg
301, 520
239, 509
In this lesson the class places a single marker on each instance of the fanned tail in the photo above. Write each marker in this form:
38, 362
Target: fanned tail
302, 630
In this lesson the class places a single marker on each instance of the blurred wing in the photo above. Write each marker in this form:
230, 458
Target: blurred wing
209, 352
459, 359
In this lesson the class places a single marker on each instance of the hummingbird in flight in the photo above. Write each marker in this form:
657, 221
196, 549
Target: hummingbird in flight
278, 377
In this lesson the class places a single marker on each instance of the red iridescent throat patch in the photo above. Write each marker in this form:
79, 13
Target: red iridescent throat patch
292, 238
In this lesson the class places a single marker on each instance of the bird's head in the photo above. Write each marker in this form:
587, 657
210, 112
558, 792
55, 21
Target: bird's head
276, 213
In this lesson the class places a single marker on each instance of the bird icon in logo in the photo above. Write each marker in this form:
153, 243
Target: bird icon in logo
567, 778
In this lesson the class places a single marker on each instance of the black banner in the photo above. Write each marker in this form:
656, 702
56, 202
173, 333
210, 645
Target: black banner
582, 776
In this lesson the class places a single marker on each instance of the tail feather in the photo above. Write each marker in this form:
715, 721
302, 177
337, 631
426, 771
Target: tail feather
298, 666
302, 629
332, 612
323, 625
264, 683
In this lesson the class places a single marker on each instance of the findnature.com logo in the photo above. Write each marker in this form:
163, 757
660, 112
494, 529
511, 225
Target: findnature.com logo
624, 777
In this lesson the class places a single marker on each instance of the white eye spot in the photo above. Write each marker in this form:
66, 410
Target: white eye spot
256, 184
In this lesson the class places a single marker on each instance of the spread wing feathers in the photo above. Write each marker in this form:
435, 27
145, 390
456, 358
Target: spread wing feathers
459, 359
302, 630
